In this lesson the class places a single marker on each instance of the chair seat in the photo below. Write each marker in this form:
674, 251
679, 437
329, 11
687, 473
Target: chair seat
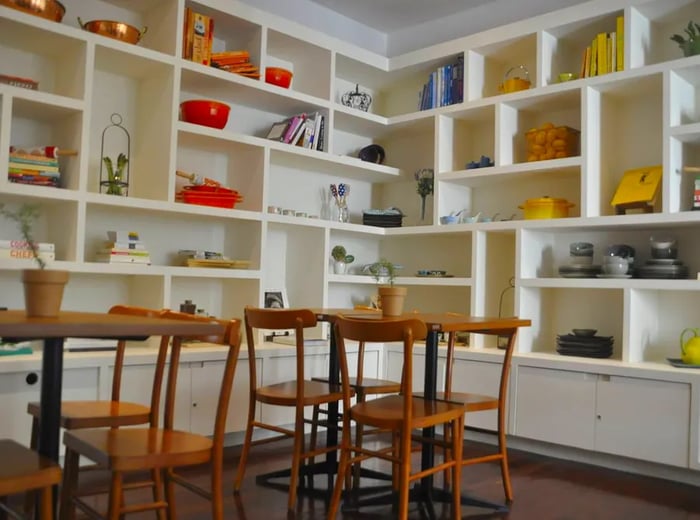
472, 402
131, 449
77, 415
23, 469
370, 386
387, 412
285, 394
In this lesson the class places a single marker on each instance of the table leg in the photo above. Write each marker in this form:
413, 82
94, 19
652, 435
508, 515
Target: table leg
50, 411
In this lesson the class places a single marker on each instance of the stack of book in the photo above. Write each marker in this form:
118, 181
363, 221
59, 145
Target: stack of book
123, 247
305, 130
235, 61
605, 53
445, 86
22, 250
198, 37
39, 170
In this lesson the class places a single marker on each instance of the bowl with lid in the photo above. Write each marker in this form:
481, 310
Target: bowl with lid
546, 207
49, 9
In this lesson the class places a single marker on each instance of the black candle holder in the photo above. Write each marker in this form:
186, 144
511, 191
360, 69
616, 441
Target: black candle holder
357, 99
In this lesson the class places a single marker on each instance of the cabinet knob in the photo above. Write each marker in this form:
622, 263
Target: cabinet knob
194, 405
32, 378
598, 417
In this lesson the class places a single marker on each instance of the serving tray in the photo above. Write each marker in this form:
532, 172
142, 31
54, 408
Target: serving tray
676, 362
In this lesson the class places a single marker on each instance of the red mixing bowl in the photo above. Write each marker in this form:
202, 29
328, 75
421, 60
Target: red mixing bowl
205, 112
278, 76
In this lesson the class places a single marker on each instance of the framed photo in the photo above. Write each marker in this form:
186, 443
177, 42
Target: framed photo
276, 299
277, 130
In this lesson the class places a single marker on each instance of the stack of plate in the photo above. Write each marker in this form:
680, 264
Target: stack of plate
585, 345
579, 271
667, 268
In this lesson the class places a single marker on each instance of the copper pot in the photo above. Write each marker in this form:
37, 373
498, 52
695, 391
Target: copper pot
49, 9
117, 30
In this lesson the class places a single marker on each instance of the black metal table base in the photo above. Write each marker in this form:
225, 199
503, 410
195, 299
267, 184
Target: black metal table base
425, 499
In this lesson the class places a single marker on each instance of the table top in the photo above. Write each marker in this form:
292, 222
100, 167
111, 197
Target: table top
15, 324
436, 321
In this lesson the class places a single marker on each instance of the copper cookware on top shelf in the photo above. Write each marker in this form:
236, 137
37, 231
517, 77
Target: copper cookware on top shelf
49, 9
117, 30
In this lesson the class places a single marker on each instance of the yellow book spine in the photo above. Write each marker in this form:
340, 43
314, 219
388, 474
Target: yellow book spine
608, 50
602, 46
620, 49
593, 68
200, 42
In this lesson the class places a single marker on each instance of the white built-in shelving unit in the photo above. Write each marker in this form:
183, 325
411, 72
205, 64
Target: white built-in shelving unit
647, 114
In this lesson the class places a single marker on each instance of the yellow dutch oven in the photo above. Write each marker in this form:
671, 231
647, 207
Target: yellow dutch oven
546, 207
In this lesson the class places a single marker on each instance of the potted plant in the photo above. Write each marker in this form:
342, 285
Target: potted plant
690, 46
116, 180
340, 259
391, 298
43, 288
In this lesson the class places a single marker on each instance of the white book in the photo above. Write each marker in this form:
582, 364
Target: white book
23, 244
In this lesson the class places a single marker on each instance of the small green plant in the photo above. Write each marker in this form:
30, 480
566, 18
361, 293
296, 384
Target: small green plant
115, 181
25, 217
383, 271
339, 254
691, 45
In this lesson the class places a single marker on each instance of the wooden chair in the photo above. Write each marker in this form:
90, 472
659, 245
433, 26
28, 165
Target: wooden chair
78, 415
362, 387
477, 402
156, 449
298, 393
402, 414
24, 470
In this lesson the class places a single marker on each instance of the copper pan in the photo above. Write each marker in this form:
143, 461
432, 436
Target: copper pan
117, 30
49, 9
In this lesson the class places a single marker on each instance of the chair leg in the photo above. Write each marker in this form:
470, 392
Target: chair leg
169, 486
70, 483
296, 464
30, 496
46, 495
158, 491
217, 497
242, 461
447, 453
505, 471
115, 497
343, 469
404, 473
457, 444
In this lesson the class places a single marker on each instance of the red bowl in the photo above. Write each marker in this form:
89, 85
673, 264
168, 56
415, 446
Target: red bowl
205, 112
278, 76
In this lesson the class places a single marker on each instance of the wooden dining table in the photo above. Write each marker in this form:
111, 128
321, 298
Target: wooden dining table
16, 326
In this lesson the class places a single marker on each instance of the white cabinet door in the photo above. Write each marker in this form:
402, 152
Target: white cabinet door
395, 365
19, 388
206, 384
555, 406
643, 419
137, 381
478, 377
279, 369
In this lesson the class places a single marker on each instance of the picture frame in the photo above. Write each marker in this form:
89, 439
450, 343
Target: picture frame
277, 131
276, 299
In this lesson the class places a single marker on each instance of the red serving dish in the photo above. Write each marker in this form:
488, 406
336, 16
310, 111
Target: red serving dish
278, 76
216, 196
205, 112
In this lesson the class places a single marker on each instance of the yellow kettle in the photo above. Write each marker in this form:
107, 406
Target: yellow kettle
690, 350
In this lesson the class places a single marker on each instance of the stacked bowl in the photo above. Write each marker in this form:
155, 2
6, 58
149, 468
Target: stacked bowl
664, 262
580, 263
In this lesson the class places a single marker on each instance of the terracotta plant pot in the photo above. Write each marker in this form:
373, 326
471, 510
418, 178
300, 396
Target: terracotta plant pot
43, 292
392, 300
